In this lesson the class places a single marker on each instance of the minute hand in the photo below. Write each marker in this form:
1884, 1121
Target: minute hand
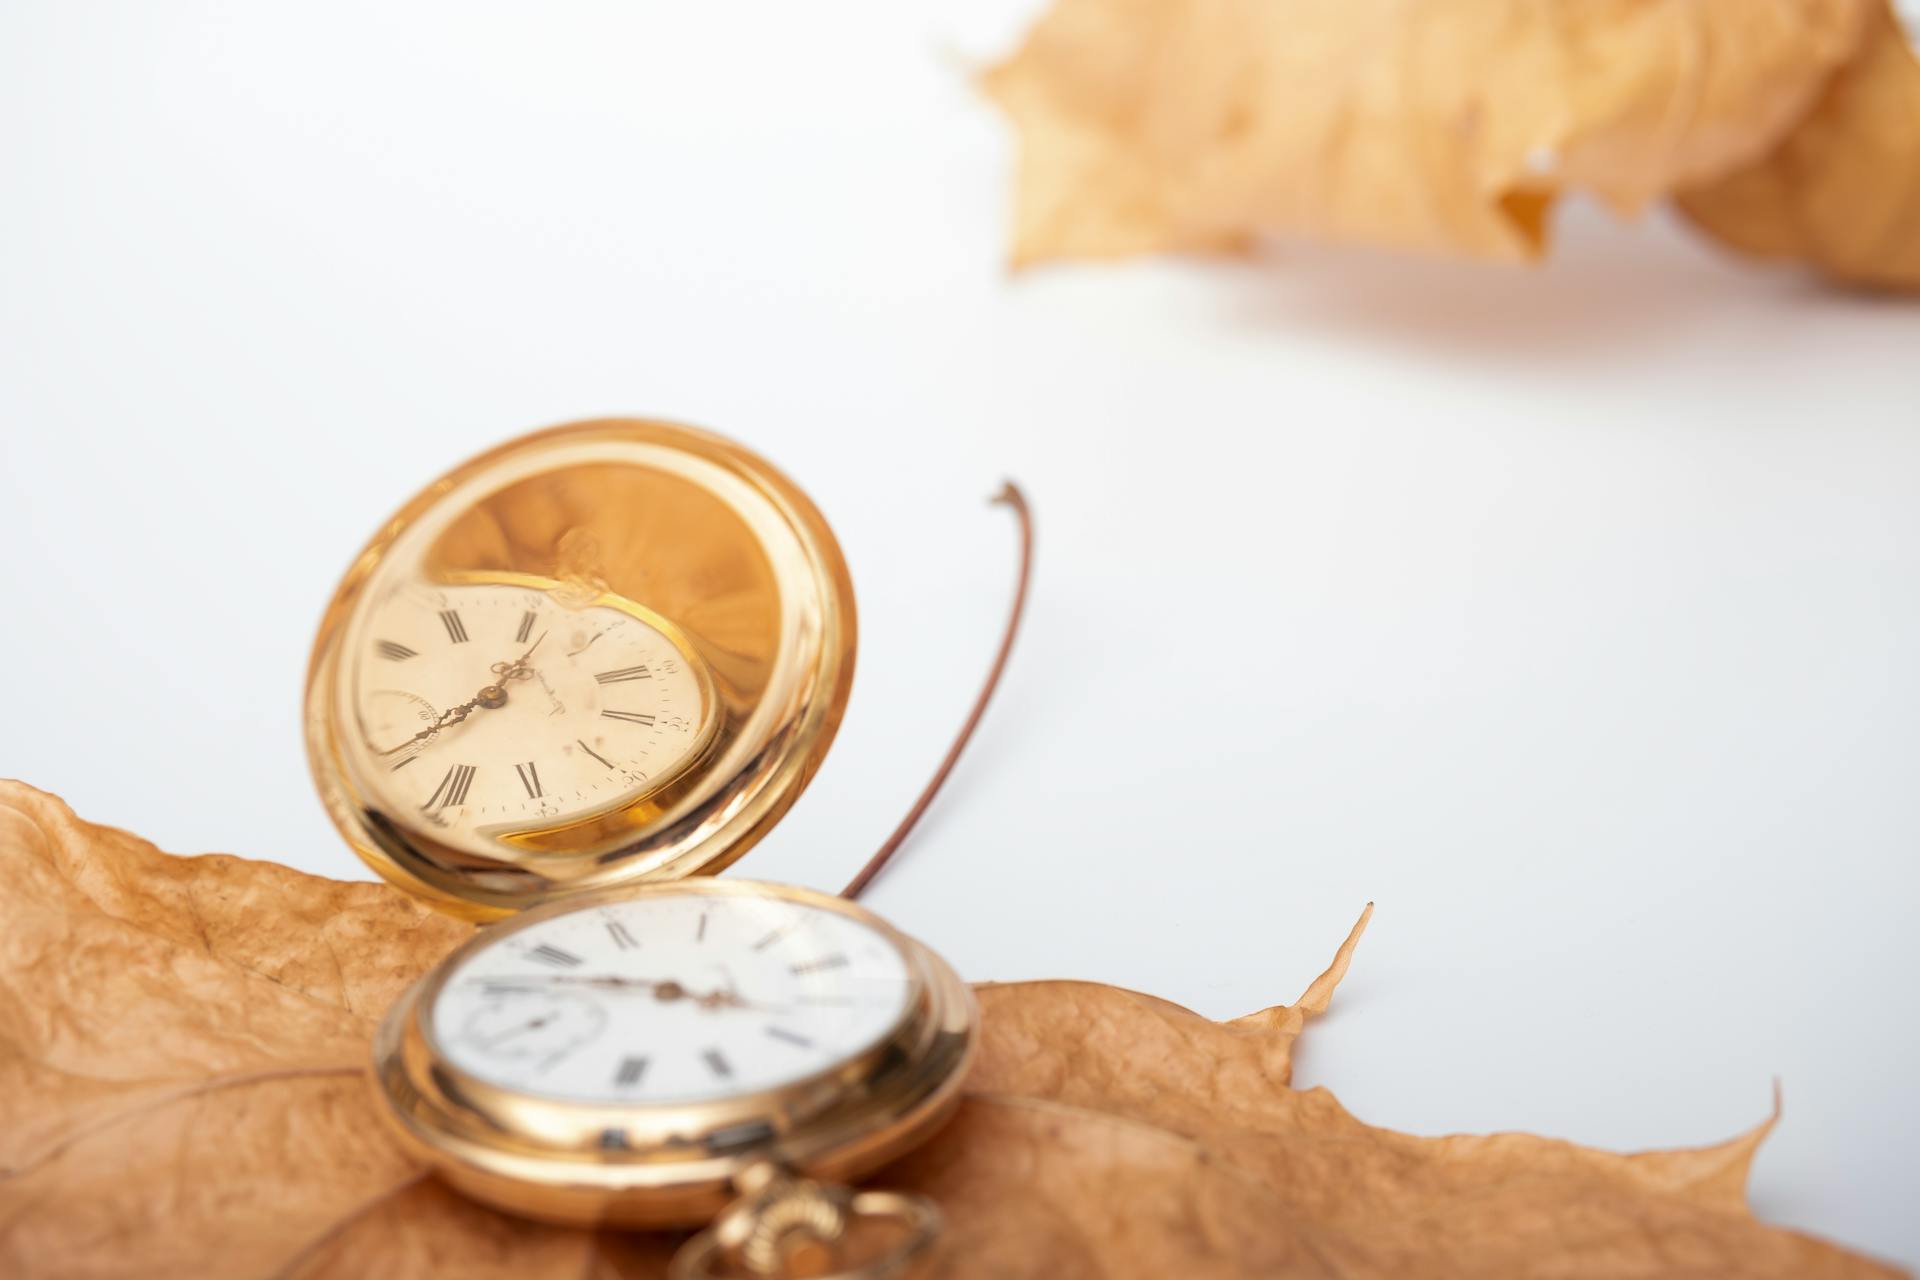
491, 696
452, 715
664, 989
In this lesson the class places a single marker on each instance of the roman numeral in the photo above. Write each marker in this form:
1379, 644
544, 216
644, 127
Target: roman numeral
547, 953
700, 934
631, 1069
631, 717
717, 1063
529, 778
793, 1038
625, 673
621, 938
456, 629
775, 936
835, 961
394, 651
526, 627
595, 754
452, 789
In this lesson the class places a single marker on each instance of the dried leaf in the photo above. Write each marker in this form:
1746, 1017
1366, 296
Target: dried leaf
1448, 126
1341, 1198
182, 1093
184, 1049
1842, 191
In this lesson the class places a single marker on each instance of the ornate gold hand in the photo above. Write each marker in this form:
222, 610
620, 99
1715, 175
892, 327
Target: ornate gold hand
452, 715
491, 696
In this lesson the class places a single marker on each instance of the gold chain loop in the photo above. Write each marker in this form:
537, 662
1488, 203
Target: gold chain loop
782, 1221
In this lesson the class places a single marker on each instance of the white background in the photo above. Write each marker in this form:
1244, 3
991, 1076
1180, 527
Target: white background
1571, 614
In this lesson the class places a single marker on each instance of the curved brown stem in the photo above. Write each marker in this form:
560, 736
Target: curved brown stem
1011, 496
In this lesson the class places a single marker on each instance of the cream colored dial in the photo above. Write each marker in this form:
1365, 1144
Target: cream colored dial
492, 709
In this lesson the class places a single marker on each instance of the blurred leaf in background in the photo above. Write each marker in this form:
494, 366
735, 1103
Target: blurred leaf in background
1455, 126
1842, 190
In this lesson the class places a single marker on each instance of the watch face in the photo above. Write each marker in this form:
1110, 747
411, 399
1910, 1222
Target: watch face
484, 711
687, 996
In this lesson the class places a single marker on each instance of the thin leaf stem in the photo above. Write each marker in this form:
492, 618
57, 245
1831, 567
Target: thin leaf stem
1009, 496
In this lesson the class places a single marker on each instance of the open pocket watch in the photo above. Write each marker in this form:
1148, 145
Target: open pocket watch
561, 687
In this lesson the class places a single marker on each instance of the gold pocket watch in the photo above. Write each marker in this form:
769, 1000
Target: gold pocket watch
561, 687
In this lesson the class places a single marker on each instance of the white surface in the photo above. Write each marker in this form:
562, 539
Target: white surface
1572, 615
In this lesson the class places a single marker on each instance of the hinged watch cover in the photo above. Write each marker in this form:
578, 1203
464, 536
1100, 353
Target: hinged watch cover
608, 652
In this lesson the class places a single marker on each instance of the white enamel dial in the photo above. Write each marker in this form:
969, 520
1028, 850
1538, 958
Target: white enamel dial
681, 997
490, 708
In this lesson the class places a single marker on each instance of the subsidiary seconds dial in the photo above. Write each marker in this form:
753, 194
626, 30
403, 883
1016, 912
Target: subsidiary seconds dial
491, 709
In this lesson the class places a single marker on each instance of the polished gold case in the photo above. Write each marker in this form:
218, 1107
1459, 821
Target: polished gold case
675, 1164
689, 531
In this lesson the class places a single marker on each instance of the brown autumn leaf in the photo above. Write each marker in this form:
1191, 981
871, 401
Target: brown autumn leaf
1444, 126
1842, 190
182, 1045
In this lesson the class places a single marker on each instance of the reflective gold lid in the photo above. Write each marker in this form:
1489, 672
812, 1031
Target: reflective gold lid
610, 651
